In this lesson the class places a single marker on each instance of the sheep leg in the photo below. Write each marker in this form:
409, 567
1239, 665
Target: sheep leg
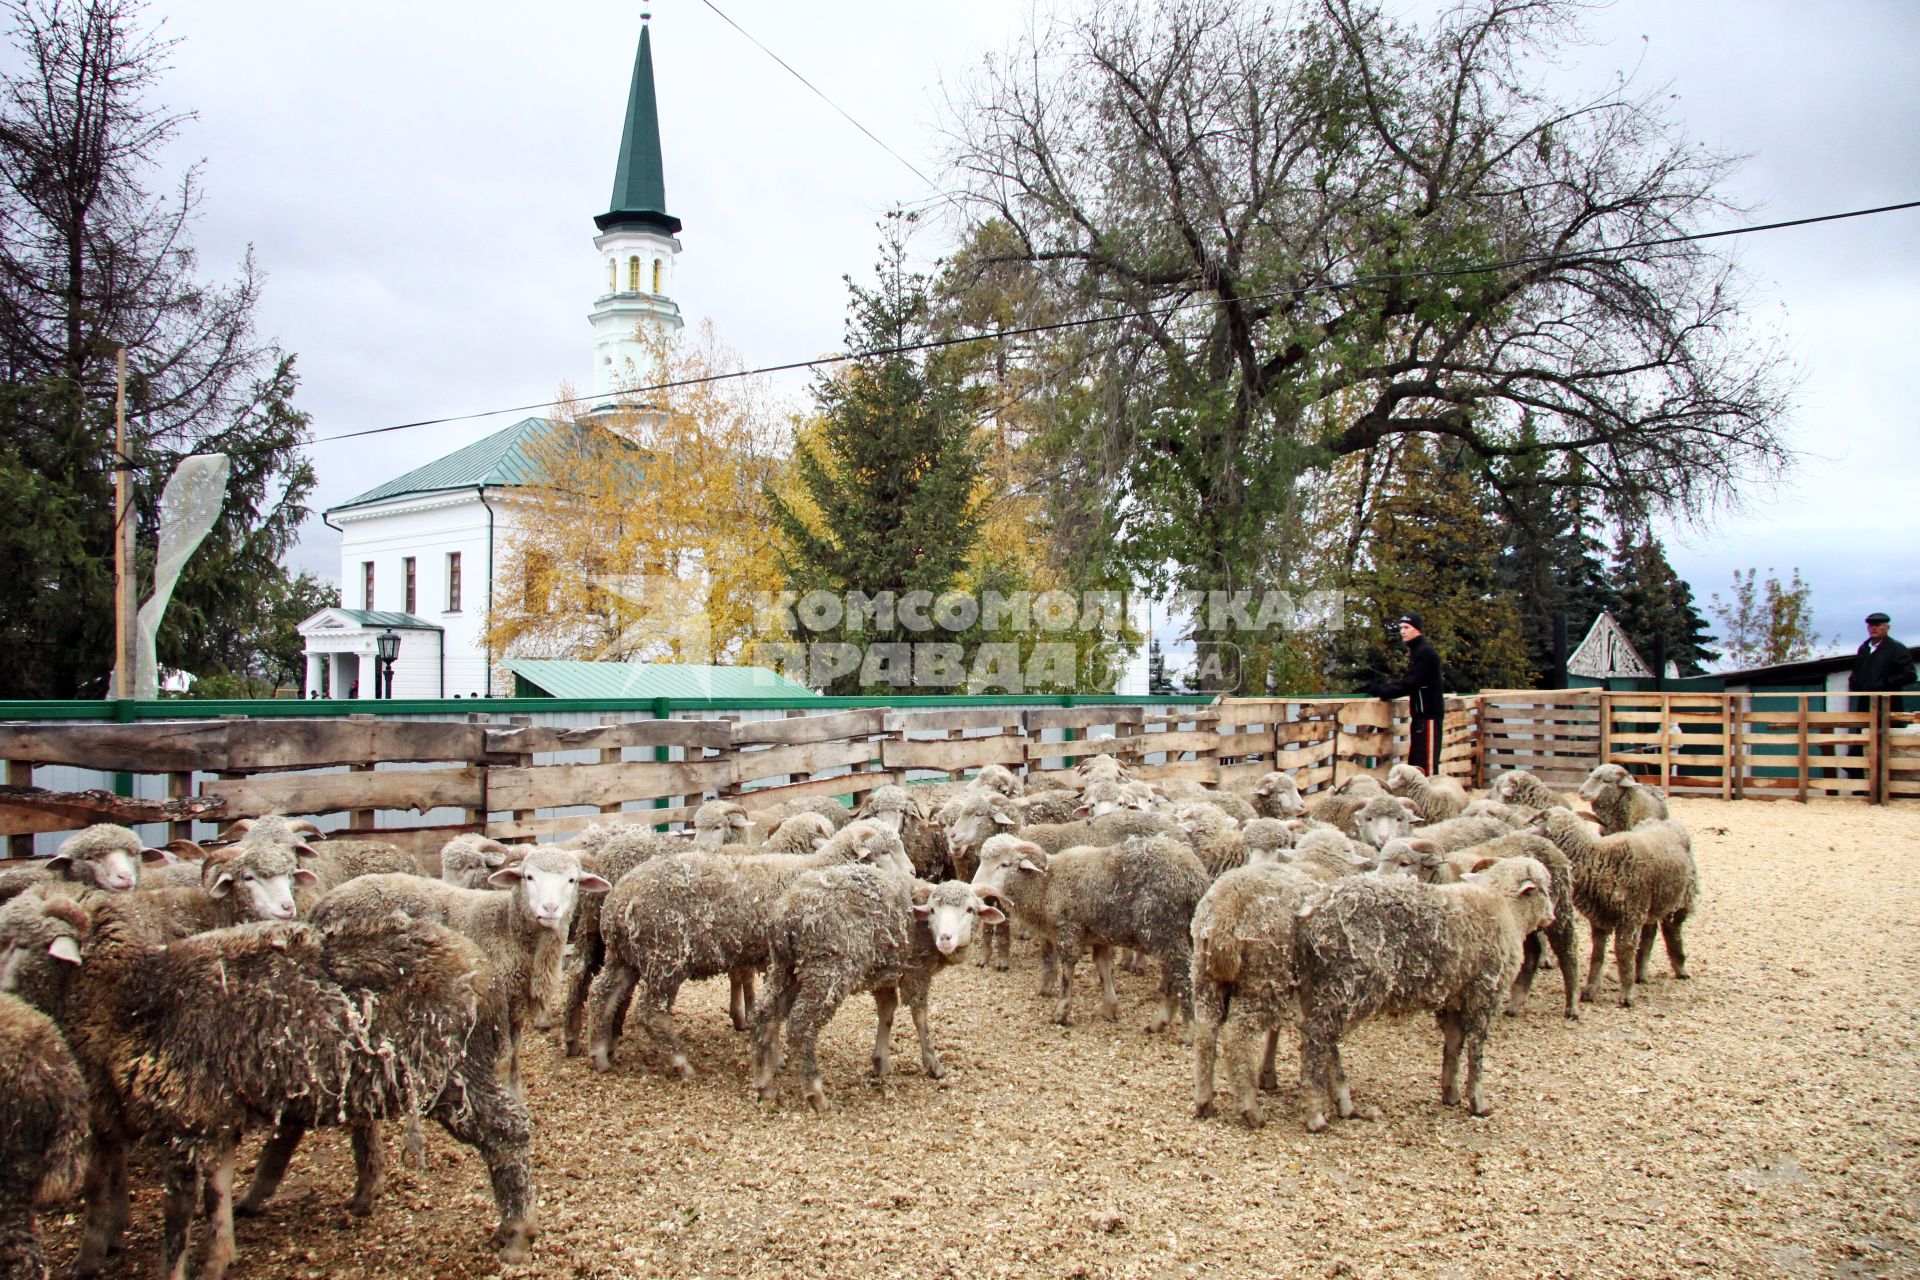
885, 1001
1000, 943
1343, 1093
1049, 969
1676, 948
1067, 955
1242, 1074
275, 1155
1109, 998
1452, 1034
1649, 934
369, 1166
740, 998
656, 1015
812, 1010
586, 967
415, 1145
219, 1192
610, 992
478, 1112
176, 1238
1595, 963
1625, 960
1316, 1077
768, 1017
1269, 1077
1210, 1011
1523, 981
1568, 958
1176, 990
1476, 1034
108, 1211
923, 1028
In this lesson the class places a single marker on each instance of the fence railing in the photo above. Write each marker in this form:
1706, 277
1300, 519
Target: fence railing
416, 779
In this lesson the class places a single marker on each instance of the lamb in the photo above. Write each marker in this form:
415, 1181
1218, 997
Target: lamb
1384, 945
846, 929
194, 1040
926, 842
1277, 795
970, 820
467, 860
334, 862
1092, 768
1437, 798
1514, 816
252, 880
1244, 970
614, 852
1215, 838
1339, 810
1139, 895
523, 933
103, 856
699, 915
1360, 784
1619, 800
999, 779
1381, 819
43, 1129
1632, 883
1519, 787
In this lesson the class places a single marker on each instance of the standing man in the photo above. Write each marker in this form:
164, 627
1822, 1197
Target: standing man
1426, 701
1882, 664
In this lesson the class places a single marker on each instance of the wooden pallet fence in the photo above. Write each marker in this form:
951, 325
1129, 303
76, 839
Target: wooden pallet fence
1553, 734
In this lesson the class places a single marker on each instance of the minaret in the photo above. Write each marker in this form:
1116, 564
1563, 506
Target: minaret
636, 245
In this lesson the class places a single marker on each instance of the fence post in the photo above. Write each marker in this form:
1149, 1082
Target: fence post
20, 774
1736, 717
523, 760
610, 755
1804, 769
1877, 748
361, 819
180, 787
1666, 743
1726, 746
1479, 766
477, 818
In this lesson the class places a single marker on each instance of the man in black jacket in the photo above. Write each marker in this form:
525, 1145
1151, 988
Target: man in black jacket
1882, 664
1426, 702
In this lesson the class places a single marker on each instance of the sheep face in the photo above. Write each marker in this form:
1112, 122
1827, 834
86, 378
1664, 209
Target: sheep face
981, 817
264, 874
1283, 792
1403, 777
548, 882
1506, 787
718, 821
1381, 821
105, 856
879, 847
951, 911
998, 778
1002, 858
1602, 777
1102, 797
1419, 859
1526, 883
887, 807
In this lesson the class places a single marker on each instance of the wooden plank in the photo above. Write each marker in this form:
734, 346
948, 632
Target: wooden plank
1260, 742
1302, 757
1372, 712
423, 843
711, 735
559, 786
846, 784
20, 774
26, 810
795, 730
947, 719
1199, 718
165, 746
1204, 771
951, 754
1308, 779
1268, 711
1042, 718
416, 789
811, 757
1202, 742
1081, 748
533, 828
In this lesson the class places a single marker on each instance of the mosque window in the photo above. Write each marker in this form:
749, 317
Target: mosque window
656, 275
633, 274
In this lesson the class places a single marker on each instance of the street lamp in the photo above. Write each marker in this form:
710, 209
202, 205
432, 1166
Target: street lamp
388, 644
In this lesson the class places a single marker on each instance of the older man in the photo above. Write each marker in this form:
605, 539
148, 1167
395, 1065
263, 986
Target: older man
1881, 665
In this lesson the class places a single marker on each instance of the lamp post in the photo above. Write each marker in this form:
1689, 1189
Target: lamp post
388, 644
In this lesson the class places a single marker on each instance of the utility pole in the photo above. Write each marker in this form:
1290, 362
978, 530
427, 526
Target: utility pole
126, 601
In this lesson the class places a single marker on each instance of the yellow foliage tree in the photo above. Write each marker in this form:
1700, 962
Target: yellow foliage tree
647, 536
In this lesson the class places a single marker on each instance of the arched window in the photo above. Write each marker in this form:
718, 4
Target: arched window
633, 275
656, 275
613, 275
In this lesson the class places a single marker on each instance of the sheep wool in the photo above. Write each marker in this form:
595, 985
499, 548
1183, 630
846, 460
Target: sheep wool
43, 1130
1632, 885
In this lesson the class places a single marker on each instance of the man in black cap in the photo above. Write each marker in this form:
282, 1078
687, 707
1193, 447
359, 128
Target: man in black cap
1420, 685
1882, 664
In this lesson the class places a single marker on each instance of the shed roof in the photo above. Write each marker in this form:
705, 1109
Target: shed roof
498, 460
372, 618
568, 679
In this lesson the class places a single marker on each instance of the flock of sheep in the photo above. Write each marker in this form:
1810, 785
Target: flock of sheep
283, 982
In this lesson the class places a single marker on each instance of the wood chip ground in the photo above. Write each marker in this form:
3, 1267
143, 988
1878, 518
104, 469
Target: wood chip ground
1758, 1120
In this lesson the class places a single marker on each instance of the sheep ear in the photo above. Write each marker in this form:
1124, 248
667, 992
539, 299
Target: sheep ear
990, 914
1084, 811
923, 911
1004, 819
303, 876
591, 883
60, 860
505, 878
64, 948
1484, 863
221, 885
158, 855
1028, 864
305, 850
1528, 887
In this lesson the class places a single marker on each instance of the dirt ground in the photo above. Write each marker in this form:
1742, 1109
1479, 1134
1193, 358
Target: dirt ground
1758, 1120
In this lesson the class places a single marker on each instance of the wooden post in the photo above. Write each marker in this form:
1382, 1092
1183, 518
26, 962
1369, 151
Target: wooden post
1726, 746
525, 761
1666, 743
1606, 728
477, 818
1803, 770
1478, 766
952, 735
20, 774
126, 598
180, 787
1877, 704
1736, 717
610, 755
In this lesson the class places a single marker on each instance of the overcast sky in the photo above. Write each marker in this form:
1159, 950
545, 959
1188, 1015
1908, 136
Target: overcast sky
418, 182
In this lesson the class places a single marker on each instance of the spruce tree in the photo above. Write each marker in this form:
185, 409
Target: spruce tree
887, 472
1655, 603
1552, 558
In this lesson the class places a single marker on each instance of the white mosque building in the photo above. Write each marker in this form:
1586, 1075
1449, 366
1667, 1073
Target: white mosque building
420, 554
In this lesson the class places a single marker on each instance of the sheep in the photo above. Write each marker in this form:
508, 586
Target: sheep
1381, 819
1339, 810
334, 862
1244, 970
1513, 815
699, 915
1619, 800
846, 929
1519, 787
615, 851
1139, 895
1057, 837
802, 833
1092, 768
935, 797
1364, 785
241, 883
1437, 798
719, 822
43, 1129
891, 807
836, 814
1265, 839
1060, 806
104, 856
467, 860
1215, 837
1383, 945
1462, 832
1327, 855
522, 932
1633, 884
970, 819
1277, 795
194, 1040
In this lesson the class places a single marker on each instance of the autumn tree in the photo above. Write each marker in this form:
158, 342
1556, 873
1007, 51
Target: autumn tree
1763, 623
647, 536
1308, 231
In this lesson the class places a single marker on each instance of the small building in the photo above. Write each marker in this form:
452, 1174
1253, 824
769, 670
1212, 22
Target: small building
428, 545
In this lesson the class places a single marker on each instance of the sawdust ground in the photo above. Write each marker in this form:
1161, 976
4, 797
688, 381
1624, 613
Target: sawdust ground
1757, 1120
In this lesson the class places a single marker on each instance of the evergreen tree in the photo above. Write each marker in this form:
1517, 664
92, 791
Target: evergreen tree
887, 474
1655, 603
1552, 559
1157, 682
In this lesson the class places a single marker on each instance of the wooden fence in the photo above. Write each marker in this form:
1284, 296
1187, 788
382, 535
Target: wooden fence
522, 781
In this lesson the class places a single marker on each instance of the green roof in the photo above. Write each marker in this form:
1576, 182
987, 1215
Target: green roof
563, 679
498, 460
378, 618
639, 179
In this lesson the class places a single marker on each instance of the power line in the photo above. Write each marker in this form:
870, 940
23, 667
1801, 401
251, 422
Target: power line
1358, 282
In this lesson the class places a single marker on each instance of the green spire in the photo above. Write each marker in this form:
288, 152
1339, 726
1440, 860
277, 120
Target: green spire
639, 185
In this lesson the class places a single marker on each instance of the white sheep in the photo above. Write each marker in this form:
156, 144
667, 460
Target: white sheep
1437, 798
1620, 800
1632, 884
104, 856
